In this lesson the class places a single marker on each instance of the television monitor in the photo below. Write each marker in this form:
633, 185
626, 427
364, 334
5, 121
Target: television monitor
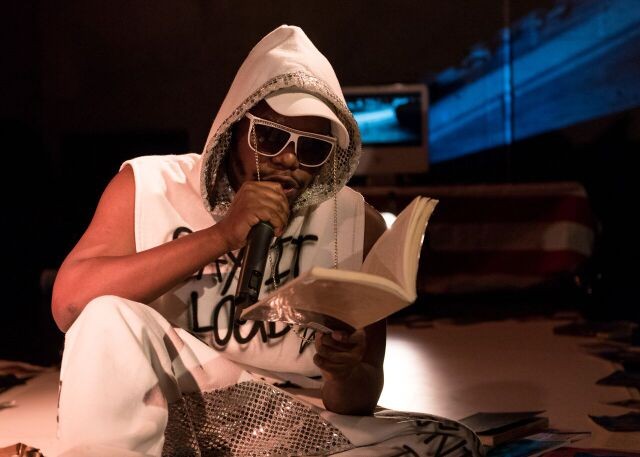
393, 126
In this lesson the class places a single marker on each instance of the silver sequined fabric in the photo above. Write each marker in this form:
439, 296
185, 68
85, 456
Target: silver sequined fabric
217, 193
248, 419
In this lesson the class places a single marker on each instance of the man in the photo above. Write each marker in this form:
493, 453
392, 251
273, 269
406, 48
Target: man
159, 262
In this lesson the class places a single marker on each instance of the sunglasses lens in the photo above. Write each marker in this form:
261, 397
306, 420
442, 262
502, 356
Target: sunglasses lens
313, 151
270, 140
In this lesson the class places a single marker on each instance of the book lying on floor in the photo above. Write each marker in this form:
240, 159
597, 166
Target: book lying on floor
327, 299
497, 428
589, 452
539, 444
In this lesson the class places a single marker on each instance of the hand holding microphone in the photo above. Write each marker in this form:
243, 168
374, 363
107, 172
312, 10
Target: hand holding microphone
259, 211
253, 264
254, 202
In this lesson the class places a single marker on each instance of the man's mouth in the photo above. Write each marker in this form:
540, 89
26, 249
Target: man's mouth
289, 185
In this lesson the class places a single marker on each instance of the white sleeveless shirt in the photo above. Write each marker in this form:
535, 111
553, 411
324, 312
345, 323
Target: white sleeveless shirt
168, 204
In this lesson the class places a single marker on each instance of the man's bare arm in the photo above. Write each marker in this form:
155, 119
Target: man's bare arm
105, 261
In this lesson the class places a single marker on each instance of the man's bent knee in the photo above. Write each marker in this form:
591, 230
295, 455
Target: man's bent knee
104, 309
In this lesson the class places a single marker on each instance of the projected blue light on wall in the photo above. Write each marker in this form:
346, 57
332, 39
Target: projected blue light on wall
576, 62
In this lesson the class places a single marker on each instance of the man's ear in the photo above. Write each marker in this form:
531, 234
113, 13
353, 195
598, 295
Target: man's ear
235, 134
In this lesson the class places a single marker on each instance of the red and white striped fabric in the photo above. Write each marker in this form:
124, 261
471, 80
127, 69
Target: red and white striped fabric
498, 237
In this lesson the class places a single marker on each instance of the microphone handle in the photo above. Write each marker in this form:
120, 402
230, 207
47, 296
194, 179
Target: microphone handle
253, 265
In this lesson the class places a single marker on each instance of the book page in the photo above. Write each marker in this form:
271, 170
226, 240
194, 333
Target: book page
386, 256
395, 255
415, 239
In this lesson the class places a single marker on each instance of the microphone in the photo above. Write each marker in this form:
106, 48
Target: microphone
252, 268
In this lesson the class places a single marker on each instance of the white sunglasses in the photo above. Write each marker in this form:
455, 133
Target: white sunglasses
269, 139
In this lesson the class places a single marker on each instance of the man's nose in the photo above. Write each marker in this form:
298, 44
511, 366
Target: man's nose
287, 158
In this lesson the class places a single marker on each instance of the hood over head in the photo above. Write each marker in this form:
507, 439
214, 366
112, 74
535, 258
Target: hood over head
287, 70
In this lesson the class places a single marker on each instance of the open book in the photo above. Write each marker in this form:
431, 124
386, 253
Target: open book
328, 299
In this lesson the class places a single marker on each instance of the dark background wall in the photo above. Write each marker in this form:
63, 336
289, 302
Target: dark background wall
88, 84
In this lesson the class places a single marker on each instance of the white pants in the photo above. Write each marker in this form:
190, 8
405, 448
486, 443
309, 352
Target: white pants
125, 368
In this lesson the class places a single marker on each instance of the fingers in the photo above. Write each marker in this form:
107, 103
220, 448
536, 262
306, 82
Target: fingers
339, 353
264, 201
273, 206
333, 370
254, 202
341, 341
